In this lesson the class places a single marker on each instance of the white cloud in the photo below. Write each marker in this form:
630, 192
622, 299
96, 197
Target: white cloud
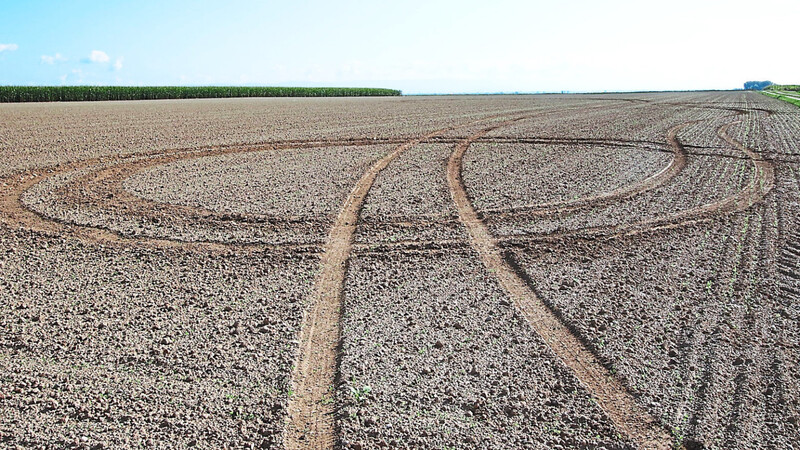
47, 59
9, 47
118, 63
98, 56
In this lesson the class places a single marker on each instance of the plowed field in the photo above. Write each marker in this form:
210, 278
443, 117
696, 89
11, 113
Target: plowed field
563, 271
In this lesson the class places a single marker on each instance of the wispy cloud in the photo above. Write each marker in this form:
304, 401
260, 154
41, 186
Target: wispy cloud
118, 63
47, 59
8, 47
98, 56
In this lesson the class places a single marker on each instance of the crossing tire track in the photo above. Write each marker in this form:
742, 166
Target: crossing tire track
612, 397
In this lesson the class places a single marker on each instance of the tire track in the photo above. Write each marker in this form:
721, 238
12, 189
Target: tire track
311, 423
675, 166
16, 214
612, 397
761, 182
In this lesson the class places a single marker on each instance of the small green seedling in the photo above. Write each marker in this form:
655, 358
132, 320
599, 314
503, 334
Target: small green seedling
360, 394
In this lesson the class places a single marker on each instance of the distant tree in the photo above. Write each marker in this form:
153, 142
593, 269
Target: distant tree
756, 85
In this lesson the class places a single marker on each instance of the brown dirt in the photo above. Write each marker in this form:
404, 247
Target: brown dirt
101, 188
662, 176
663, 302
761, 183
612, 396
311, 423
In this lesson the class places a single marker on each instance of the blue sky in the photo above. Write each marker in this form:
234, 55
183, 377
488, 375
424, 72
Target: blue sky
416, 46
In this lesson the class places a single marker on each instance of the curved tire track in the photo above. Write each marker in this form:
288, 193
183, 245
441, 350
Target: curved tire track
112, 170
663, 176
668, 172
319, 335
612, 397
311, 423
761, 183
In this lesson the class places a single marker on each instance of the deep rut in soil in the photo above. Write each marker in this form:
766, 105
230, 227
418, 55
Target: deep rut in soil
612, 397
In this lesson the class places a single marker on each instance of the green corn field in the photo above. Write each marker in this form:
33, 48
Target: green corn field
10, 94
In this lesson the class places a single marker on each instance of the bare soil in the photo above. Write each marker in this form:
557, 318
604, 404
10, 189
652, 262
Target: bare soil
580, 271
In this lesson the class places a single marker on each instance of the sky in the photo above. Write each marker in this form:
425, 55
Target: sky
420, 47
